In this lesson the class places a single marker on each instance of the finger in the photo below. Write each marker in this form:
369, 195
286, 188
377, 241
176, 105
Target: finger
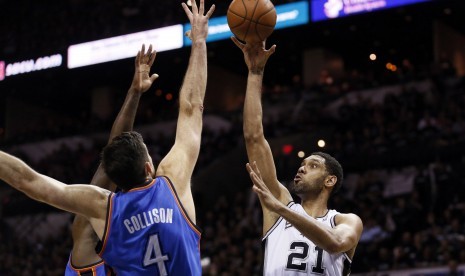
251, 175
202, 7
143, 49
187, 11
236, 41
210, 11
195, 10
152, 58
272, 50
248, 167
259, 192
255, 167
153, 77
256, 190
257, 180
137, 58
149, 51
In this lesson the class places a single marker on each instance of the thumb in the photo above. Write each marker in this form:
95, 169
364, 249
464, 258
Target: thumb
153, 77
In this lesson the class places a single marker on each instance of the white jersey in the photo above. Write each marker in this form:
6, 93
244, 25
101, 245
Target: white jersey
288, 252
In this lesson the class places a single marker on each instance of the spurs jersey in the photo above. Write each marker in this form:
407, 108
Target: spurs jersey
288, 252
148, 232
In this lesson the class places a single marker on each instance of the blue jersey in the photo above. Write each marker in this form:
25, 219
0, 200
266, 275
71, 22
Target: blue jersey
148, 232
97, 269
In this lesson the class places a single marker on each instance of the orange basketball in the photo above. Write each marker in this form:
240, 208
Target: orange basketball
251, 20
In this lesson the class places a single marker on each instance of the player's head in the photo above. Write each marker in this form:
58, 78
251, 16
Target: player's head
320, 171
126, 160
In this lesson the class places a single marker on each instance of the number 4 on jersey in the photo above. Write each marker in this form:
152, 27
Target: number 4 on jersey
154, 255
297, 259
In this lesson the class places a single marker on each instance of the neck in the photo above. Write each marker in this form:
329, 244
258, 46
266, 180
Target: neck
315, 205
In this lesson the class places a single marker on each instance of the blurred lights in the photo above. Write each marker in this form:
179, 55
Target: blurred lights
158, 92
287, 149
321, 143
373, 57
391, 67
301, 154
169, 97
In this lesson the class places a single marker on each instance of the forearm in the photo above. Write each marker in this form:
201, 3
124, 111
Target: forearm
253, 114
318, 233
15, 172
126, 116
195, 81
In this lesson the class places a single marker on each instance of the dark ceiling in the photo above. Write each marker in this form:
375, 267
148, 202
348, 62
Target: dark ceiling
393, 34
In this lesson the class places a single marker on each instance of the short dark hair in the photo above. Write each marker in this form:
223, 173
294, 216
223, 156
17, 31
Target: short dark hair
334, 168
123, 160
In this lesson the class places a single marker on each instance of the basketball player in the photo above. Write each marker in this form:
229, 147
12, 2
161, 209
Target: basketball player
83, 259
149, 227
299, 239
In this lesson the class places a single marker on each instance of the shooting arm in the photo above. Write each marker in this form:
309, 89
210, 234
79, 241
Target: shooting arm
257, 146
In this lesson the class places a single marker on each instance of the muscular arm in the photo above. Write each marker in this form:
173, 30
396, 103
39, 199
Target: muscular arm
258, 149
257, 146
86, 200
179, 163
341, 238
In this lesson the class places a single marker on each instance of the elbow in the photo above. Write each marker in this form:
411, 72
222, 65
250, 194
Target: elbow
252, 137
333, 248
190, 108
336, 246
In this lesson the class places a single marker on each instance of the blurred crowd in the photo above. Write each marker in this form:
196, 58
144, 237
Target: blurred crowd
423, 226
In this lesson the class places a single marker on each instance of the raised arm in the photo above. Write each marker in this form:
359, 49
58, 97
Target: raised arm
84, 237
141, 82
342, 238
179, 163
258, 149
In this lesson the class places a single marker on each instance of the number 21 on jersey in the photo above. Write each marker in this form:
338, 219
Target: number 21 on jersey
297, 259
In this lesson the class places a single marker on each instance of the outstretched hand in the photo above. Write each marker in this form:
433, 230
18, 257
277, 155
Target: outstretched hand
255, 54
199, 21
264, 194
142, 81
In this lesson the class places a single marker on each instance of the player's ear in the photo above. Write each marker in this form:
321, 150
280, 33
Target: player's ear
149, 169
330, 180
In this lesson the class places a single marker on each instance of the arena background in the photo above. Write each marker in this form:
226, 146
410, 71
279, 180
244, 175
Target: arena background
397, 125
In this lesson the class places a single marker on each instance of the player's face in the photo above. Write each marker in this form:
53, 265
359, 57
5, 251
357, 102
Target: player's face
311, 176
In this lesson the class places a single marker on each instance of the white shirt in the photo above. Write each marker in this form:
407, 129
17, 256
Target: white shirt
288, 252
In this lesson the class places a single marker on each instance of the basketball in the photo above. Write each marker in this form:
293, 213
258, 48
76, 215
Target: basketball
251, 20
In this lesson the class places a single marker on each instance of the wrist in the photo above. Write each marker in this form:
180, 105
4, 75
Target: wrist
281, 209
199, 42
256, 71
135, 90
